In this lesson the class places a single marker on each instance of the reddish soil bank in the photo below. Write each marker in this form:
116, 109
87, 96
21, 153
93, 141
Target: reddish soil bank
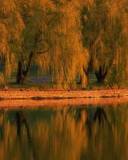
61, 94
55, 103
13, 98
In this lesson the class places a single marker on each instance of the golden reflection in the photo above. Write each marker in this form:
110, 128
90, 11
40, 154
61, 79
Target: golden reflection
64, 134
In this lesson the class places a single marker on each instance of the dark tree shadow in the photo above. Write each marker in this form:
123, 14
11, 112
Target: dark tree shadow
22, 122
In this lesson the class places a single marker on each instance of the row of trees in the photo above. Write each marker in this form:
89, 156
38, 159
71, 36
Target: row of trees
65, 39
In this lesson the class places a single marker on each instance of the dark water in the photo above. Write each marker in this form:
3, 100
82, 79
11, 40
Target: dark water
71, 133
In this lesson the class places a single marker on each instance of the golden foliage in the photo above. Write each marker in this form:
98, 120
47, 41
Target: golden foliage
64, 35
106, 32
3, 40
54, 27
7, 7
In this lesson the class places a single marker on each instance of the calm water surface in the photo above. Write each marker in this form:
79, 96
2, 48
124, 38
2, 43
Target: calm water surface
70, 133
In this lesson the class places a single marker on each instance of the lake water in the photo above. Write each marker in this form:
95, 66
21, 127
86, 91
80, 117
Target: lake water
70, 133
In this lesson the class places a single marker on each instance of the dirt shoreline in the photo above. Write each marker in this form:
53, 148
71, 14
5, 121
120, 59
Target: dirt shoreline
61, 103
61, 94
26, 98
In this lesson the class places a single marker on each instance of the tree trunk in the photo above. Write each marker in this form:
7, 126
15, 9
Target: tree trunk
22, 71
19, 76
101, 74
83, 78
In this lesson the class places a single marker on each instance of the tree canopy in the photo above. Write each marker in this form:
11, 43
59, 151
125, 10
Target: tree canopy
66, 39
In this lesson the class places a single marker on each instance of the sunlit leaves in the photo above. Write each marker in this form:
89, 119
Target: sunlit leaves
105, 23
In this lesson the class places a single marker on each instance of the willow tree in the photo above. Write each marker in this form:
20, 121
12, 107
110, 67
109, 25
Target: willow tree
68, 57
120, 67
99, 38
4, 52
9, 32
118, 15
33, 43
53, 27
103, 35
13, 24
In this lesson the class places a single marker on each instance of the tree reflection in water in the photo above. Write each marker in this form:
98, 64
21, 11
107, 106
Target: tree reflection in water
72, 133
